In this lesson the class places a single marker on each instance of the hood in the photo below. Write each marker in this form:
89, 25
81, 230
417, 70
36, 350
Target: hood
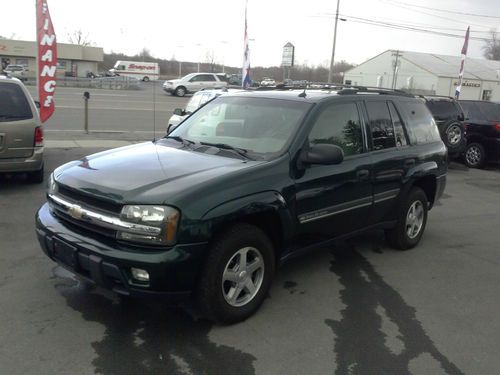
144, 173
173, 81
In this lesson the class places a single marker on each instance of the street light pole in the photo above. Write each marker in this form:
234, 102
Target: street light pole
330, 72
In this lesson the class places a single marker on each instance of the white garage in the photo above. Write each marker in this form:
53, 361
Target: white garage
430, 74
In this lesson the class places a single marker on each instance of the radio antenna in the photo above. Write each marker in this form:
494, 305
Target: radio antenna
154, 111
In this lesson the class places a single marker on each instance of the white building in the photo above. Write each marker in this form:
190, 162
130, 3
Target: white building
72, 59
426, 73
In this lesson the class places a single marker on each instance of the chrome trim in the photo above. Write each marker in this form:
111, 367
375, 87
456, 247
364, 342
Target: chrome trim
79, 213
386, 195
334, 210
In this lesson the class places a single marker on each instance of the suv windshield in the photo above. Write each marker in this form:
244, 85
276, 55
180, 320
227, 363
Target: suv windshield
261, 126
13, 103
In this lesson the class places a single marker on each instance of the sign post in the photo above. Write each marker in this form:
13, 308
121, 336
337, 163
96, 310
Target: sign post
288, 58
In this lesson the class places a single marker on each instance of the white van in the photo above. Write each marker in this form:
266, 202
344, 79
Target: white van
144, 71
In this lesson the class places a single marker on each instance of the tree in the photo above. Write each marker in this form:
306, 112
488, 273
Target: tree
80, 38
492, 47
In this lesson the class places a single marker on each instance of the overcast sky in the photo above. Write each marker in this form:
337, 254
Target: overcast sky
188, 29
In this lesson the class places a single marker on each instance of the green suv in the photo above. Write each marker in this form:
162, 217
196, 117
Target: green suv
245, 183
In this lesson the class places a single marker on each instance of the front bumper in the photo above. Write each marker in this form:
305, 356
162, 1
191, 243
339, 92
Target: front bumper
30, 164
169, 89
173, 271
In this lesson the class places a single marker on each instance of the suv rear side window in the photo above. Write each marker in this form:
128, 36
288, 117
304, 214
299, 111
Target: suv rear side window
13, 103
443, 109
398, 126
421, 125
339, 124
381, 125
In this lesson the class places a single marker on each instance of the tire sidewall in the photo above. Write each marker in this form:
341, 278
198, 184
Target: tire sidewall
416, 194
482, 158
459, 145
180, 90
223, 249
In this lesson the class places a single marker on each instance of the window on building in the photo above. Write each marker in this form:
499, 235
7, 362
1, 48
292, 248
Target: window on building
339, 125
23, 62
381, 125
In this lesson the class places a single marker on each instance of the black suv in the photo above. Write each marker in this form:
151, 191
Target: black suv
449, 118
483, 132
248, 181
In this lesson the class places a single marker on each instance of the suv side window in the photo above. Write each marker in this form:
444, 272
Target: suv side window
381, 125
398, 126
203, 78
339, 124
13, 103
421, 124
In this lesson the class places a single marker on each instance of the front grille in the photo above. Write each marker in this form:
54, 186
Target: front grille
84, 225
88, 201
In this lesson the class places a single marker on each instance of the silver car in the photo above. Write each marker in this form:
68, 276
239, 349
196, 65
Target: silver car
193, 82
197, 100
21, 133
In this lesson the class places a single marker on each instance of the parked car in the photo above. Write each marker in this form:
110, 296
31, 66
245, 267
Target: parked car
196, 101
482, 120
192, 83
18, 71
268, 82
247, 182
449, 118
21, 133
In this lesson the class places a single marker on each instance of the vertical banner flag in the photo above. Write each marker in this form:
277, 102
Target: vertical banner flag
462, 64
246, 81
47, 59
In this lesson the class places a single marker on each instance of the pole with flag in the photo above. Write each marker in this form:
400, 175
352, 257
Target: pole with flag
246, 80
47, 60
462, 64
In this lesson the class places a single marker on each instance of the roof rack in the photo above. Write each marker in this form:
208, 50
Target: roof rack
435, 96
340, 88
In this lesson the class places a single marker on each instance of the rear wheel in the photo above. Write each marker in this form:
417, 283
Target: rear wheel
37, 176
180, 91
237, 274
474, 155
146, 79
412, 217
454, 137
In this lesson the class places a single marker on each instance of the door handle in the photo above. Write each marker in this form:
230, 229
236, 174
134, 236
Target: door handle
409, 163
363, 174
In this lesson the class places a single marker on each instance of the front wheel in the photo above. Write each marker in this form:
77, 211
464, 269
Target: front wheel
146, 79
180, 91
474, 155
412, 217
237, 274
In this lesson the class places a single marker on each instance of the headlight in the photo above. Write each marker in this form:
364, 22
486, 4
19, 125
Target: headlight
164, 218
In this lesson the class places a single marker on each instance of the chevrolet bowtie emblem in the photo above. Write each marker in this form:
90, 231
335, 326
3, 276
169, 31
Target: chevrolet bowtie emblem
76, 212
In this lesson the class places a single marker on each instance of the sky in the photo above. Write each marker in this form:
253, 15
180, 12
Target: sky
190, 30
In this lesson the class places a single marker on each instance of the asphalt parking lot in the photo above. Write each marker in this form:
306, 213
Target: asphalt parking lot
356, 308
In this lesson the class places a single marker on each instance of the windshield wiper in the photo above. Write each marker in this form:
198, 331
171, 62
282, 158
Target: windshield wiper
185, 142
225, 146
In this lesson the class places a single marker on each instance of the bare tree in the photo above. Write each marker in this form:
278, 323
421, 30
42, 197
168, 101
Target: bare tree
210, 59
79, 37
492, 47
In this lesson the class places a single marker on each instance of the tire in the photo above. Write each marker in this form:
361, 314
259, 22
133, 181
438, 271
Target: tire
180, 91
223, 291
146, 79
454, 137
37, 176
411, 221
474, 155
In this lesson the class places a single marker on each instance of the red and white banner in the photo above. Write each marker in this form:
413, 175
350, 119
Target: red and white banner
462, 64
47, 59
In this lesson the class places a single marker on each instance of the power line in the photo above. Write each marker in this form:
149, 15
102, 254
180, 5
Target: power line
407, 28
436, 16
444, 10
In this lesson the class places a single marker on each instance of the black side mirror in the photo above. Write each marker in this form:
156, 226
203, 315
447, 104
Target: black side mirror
179, 112
37, 104
322, 154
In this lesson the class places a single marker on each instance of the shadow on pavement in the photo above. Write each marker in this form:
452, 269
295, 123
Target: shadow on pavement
149, 338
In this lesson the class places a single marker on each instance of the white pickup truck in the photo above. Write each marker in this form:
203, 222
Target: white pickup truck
194, 82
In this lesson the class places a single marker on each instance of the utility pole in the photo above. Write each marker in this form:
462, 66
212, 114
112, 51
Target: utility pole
395, 67
330, 72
